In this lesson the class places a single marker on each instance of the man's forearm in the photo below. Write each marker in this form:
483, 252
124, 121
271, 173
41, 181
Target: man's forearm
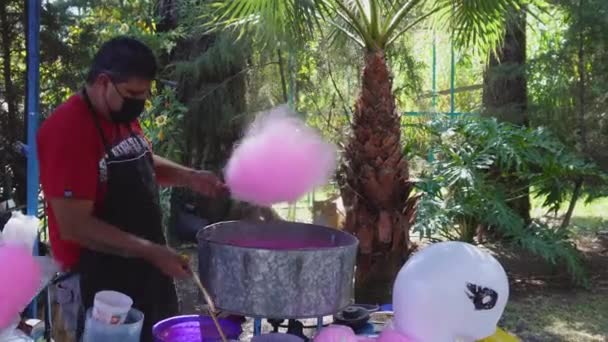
169, 173
103, 237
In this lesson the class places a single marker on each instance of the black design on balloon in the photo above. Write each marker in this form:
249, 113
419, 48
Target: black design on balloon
484, 298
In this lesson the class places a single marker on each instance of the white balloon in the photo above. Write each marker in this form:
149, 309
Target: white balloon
449, 291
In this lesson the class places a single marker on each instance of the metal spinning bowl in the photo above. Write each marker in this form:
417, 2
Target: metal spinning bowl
280, 270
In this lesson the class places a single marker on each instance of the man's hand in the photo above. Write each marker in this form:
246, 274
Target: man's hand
169, 262
206, 183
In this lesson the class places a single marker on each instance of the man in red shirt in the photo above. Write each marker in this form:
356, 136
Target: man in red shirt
100, 181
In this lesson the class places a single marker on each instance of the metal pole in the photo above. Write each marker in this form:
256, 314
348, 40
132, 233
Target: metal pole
257, 327
434, 71
452, 72
430, 156
452, 80
319, 324
33, 86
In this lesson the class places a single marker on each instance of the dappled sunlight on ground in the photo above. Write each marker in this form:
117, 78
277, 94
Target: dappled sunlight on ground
559, 316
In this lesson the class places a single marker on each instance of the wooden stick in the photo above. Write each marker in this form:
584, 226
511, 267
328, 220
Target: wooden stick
210, 305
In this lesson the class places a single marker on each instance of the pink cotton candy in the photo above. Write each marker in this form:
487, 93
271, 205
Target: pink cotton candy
280, 159
20, 278
336, 333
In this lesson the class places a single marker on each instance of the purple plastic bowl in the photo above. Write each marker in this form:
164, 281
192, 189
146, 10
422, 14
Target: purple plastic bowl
194, 328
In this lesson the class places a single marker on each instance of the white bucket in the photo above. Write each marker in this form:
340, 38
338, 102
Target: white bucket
111, 307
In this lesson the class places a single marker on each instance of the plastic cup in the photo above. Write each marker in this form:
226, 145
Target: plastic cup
129, 331
111, 307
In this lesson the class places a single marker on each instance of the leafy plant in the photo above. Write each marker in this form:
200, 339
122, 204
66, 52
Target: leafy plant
162, 123
568, 77
461, 193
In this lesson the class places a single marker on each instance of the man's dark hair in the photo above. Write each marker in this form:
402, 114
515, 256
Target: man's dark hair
123, 58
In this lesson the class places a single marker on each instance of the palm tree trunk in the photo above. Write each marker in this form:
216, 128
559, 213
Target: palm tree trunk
375, 185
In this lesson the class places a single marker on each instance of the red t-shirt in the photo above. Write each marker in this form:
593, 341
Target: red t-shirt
70, 153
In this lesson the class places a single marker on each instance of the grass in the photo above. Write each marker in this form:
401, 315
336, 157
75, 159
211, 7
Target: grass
591, 217
587, 217
575, 317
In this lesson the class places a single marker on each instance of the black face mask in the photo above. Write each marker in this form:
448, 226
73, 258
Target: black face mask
130, 110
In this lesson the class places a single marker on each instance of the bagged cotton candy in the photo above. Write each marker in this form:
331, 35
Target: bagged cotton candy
336, 333
20, 277
392, 335
280, 159
455, 283
21, 229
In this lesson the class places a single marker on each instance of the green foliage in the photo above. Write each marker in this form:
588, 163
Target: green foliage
162, 124
71, 31
327, 85
373, 25
74, 30
12, 89
572, 33
461, 192
271, 21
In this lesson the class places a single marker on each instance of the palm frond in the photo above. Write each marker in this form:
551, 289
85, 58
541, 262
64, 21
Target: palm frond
375, 18
392, 24
353, 37
478, 24
363, 10
392, 37
290, 21
354, 20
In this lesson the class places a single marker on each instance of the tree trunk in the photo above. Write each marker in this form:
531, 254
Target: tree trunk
505, 96
578, 186
282, 75
374, 181
582, 86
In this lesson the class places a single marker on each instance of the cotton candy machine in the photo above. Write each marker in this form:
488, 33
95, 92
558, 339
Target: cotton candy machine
277, 270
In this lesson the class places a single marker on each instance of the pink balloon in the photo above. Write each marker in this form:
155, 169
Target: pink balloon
336, 333
20, 278
280, 159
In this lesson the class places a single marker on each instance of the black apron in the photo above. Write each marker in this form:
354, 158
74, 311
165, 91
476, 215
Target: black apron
132, 204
